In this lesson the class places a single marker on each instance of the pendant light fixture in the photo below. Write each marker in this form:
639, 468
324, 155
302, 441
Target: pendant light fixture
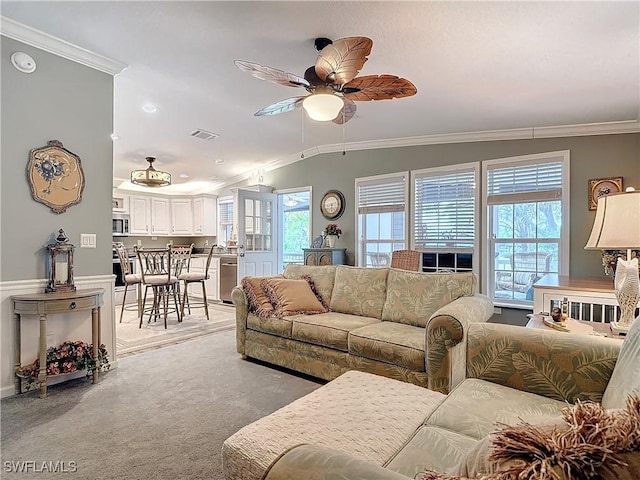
150, 177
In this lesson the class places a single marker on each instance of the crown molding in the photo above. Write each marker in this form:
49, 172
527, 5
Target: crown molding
43, 41
605, 128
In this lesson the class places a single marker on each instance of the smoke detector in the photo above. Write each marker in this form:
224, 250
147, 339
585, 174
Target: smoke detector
23, 62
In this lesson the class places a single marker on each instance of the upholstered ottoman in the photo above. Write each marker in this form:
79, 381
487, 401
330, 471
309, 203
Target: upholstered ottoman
362, 414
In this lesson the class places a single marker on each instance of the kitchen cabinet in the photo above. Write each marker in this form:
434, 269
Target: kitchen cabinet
181, 216
212, 284
119, 202
140, 212
160, 216
205, 215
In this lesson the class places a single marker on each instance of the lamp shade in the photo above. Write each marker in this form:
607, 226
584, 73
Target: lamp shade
323, 107
150, 177
617, 222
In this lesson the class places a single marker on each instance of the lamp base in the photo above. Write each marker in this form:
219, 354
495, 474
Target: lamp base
618, 328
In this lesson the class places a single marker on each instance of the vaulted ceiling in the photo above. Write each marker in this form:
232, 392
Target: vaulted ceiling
477, 66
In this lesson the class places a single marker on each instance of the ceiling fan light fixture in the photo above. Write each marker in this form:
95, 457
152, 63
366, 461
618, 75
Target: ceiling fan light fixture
150, 177
323, 107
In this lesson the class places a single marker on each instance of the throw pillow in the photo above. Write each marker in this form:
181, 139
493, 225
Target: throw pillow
259, 304
291, 297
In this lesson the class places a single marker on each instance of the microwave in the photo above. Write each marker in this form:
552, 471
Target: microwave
120, 224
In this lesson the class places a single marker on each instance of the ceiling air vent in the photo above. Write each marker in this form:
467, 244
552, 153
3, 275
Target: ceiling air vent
203, 134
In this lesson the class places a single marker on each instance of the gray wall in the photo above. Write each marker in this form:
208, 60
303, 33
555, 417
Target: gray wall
69, 102
591, 157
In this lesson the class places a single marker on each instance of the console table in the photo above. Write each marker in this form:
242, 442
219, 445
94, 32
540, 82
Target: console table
42, 304
324, 256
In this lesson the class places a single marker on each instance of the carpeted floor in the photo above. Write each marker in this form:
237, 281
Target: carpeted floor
163, 414
131, 338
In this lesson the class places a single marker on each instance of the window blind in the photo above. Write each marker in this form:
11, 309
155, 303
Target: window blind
444, 215
225, 213
382, 195
524, 183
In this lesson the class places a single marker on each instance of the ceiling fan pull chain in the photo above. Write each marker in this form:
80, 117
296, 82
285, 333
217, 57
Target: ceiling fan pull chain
344, 128
302, 130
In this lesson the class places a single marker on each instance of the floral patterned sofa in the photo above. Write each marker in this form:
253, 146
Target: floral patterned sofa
363, 426
395, 323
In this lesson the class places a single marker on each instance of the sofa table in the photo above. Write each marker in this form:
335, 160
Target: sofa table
42, 304
324, 256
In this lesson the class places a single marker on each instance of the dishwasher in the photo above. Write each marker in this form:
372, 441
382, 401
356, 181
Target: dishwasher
228, 277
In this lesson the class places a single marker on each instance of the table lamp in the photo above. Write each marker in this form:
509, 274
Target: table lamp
617, 227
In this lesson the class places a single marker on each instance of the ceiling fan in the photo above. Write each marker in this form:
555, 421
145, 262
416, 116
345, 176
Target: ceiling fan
332, 81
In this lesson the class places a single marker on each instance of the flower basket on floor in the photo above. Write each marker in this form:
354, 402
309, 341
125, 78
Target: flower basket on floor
69, 357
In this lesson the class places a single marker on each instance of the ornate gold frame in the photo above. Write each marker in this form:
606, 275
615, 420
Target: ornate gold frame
599, 187
55, 176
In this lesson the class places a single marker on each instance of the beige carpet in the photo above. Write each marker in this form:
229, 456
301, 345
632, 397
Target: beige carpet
131, 339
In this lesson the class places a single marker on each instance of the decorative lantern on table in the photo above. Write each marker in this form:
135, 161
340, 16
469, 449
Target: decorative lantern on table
60, 262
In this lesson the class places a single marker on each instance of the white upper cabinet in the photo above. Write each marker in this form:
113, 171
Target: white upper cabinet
205, 221
181, 216
160, 216
140, 212
178, 216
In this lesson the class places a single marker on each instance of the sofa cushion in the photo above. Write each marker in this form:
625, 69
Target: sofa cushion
322, 276
272, 325
412, 297
259, 303
359, 291
328, 329
625, 378
290, 297
475, 406
391, 343
431, 448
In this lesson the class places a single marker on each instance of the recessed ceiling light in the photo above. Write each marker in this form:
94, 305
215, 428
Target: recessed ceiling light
184, 175
114, 136
219, 161
149, 108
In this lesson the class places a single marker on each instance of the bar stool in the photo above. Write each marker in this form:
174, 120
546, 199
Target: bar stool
181, 262
128, 278
156, 267
196, 277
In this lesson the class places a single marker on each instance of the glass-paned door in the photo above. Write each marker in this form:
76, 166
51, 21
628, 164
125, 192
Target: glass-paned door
257, 255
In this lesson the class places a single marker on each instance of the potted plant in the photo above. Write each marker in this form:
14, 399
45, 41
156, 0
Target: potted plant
331, 233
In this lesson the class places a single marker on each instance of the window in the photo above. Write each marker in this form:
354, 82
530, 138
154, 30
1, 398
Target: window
527, 200
444, 217
225, 220
295, 221
382, 226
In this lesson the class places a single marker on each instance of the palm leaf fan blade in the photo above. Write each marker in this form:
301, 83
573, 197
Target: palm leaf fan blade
341, 61
282, 106
378, 87
271, 74
347, 112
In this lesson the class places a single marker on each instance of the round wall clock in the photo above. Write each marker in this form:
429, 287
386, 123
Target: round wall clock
600, 187
332, 205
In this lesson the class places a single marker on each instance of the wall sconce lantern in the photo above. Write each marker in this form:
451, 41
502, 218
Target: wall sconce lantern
60, 259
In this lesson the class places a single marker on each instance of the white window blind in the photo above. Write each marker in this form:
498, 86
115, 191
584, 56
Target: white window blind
225, 213
382, 195
445, 209
521, 183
